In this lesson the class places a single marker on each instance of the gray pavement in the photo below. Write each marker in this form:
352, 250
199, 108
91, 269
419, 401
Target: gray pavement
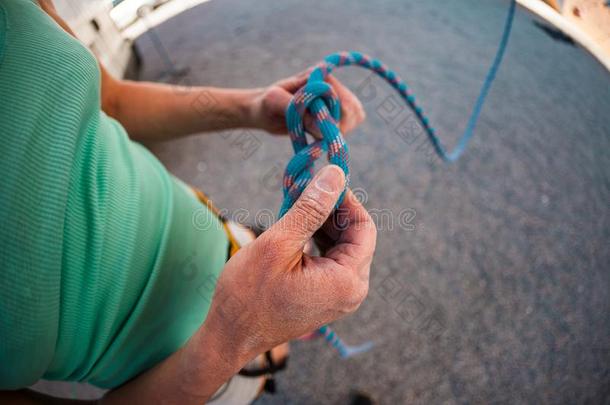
490, 282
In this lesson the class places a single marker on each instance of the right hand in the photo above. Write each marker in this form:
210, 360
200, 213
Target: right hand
271, 292
268, 293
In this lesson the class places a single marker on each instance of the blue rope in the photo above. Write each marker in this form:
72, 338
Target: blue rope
319, 99
478, 107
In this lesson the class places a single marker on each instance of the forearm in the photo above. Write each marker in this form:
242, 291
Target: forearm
153, 111
189, 376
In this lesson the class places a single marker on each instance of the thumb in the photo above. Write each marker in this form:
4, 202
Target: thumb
311, 210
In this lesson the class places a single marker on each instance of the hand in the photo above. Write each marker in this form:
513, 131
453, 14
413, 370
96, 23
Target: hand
271, 292
269, 108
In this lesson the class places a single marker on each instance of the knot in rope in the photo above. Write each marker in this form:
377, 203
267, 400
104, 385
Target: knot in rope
319, 99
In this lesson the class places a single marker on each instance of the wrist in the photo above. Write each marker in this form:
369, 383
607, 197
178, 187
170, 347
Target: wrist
251, 108
222, 109
213, 354
228, 351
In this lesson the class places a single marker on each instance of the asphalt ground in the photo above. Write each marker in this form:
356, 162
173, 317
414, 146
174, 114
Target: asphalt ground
490, 281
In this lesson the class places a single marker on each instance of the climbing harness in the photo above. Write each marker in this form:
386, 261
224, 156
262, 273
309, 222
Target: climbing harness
319, 99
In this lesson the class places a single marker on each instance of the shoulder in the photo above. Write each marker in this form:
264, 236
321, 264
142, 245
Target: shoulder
34, 38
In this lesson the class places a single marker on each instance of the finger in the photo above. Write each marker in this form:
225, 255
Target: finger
323, 240
294, 83
338, 222
278, 103
310, 211
311, 127
355, 234
328, 235
352, 111
342, 219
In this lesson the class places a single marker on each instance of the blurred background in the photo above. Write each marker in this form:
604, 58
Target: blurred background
491, 278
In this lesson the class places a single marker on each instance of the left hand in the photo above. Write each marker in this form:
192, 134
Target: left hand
269, 109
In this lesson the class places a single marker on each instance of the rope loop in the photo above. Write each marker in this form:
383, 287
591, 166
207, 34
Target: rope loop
319, 99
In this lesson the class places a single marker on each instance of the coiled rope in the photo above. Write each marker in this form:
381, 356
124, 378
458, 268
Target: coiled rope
320, 100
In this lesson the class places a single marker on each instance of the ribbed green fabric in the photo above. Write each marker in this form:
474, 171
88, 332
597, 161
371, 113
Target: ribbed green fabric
102, 271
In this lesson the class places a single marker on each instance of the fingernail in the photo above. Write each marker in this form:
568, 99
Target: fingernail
330, 179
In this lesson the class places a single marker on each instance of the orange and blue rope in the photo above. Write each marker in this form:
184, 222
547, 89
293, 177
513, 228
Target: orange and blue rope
319, 99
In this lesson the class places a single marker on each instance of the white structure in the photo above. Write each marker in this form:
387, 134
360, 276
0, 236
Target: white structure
92, 24
585, 21
109, 31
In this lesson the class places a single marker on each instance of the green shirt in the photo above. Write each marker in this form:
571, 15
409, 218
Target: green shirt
105, 265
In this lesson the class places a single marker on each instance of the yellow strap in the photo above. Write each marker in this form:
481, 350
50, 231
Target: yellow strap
208, 203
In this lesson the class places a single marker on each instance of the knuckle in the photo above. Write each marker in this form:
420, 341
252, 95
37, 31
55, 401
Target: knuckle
309, 209
355, 295
361, 113
360, 293
373, 226
369, 224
